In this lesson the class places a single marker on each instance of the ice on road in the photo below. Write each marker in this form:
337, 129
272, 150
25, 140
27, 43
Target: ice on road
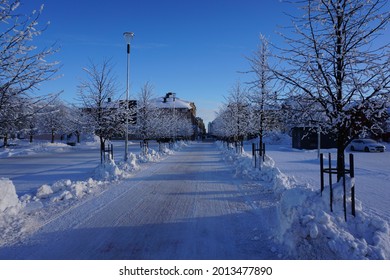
189, 206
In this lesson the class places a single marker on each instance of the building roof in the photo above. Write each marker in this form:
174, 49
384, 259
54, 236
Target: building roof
171, 101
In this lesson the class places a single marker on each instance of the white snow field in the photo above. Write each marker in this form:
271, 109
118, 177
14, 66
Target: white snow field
202, 202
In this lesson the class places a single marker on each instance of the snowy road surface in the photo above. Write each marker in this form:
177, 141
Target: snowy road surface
189, 206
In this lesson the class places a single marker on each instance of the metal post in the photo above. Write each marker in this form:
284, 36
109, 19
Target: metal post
254, 152
330, 182
128, 36
345, 194
322, 172
319, 142
263, 148
127, 104
352, 174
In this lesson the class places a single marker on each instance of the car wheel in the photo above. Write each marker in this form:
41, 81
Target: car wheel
366, 149
352, 148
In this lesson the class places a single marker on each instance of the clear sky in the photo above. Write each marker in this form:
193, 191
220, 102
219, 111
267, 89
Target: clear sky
194, 48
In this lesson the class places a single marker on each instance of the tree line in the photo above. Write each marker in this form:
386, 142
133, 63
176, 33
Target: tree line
332, 74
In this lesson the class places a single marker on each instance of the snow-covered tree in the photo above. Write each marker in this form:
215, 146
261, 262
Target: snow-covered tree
337, 60
166, 124
185, 128
11, 117
22, 66
262, 93
78, 122
233, 119
147, 114
97, 94
238, 113
53, 119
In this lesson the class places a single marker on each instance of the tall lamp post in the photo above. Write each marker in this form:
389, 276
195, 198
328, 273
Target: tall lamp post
128, 37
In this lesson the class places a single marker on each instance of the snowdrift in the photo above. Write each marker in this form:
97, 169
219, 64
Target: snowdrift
9, 202
306, 226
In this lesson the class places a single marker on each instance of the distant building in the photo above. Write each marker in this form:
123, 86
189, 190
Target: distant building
181, 107
386, 127
307, 138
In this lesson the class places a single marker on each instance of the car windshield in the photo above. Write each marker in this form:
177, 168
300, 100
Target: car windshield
369, 141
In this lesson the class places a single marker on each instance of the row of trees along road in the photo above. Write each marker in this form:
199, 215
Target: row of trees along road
333, 72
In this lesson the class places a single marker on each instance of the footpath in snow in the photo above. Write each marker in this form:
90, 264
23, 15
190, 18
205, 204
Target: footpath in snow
203, 202
188, 206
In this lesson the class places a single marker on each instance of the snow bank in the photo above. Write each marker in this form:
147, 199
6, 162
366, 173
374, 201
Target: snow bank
306, 226
9, 201
112, 170
10, 207
151, 156
61, 190
311, 231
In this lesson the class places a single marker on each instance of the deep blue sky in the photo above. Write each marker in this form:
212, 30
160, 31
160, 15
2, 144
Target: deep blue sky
192, 48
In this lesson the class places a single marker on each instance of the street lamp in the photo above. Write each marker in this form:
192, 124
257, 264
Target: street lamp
128, 37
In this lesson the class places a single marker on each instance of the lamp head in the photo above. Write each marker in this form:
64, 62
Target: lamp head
128, 36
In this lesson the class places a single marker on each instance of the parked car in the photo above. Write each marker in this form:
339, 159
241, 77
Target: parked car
366, 145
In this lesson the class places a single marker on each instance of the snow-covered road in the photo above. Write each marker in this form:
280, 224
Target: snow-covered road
188, 206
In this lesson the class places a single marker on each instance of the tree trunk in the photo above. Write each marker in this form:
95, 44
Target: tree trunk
341, 140
5, 140
52, 136
102, 142
261, 143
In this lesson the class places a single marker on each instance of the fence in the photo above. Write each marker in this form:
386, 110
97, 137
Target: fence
331, 171
239, 145
144, 145
107, 153
258, 154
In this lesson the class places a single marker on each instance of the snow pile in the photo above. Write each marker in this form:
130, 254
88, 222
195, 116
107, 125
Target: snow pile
306, 226
111, 170
59, 191
10, 207
9, 201
108, 171
151, 156
177, 146
244, 167
311, 231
